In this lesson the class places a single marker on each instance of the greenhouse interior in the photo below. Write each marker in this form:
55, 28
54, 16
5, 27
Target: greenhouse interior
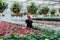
29, 19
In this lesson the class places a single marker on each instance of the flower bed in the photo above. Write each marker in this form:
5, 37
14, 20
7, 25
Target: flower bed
15, 32
47, 22
9, 29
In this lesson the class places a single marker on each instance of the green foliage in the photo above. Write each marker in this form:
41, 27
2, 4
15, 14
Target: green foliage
51, 35
12, 36
24, 13
32, 6
44, 7
41, 8
16, 5
3, 5
46, 34
53, 11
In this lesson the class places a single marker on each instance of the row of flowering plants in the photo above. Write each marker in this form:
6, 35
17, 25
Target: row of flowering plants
10, 31
15, 32
46, 35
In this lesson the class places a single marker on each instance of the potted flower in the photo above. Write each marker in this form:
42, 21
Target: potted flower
32, 8
43, 9
3, 6
53, 11
16, 7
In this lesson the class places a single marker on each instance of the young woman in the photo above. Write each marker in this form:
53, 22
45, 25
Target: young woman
29, 22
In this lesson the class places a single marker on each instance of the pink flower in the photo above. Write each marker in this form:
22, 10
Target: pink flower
19, 27
2, 32
31, 28
39, 32
8, 33
26, 28
21, 36
27, 32
17, 32
21, 31
14, 26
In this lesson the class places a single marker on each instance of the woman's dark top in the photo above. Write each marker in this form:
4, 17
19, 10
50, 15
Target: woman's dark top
29, 23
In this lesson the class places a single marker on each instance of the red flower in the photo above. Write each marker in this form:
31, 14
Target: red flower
21, 31
27, 32
2, 32
19, 27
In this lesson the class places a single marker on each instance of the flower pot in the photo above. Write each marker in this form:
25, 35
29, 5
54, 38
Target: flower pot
1, 11
31, 11
16, 10
44, 11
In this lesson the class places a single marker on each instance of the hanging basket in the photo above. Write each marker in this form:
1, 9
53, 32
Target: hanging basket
32, 8
16, 7
44, 9
3, 6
